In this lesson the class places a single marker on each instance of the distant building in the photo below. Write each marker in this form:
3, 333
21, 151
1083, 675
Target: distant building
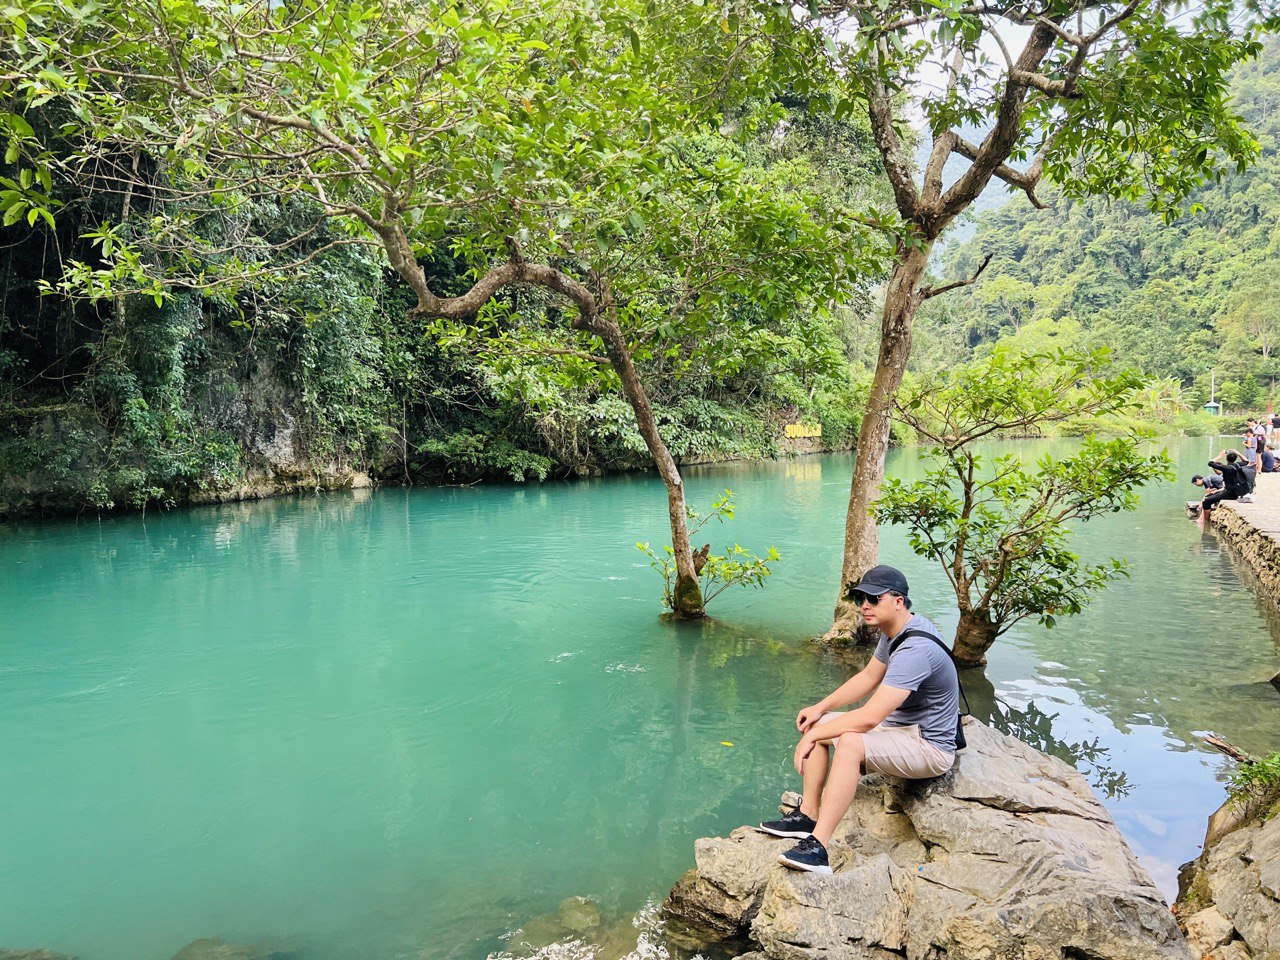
1213, 406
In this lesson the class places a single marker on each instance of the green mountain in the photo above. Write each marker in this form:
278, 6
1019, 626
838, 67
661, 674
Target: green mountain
1179, 300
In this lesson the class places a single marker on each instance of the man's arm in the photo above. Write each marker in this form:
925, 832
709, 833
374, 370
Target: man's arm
849, 692
883, 702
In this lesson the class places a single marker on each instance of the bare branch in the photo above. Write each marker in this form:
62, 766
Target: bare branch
894, 154
928, 292
943, 141
998, 144
1026, 182
1232, 751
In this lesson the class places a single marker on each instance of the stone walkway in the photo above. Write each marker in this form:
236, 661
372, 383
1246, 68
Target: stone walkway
1253, 529
1264, 513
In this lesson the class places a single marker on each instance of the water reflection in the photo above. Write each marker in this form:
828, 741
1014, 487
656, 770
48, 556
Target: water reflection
1032, 725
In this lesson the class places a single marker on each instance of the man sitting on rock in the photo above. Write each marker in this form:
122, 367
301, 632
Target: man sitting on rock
906, 729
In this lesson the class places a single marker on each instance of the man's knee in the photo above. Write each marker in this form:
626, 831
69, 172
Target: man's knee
851, 747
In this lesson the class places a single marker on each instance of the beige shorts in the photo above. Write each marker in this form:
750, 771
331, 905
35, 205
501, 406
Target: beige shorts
900, 751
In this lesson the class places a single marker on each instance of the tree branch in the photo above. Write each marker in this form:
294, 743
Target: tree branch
928, 292
999, 143
892, 152
943, 141
1027, 181
1232, 751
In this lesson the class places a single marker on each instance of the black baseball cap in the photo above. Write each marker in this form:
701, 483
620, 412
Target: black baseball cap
882, 579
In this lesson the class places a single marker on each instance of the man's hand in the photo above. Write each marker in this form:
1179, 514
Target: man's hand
803, 749
807, 717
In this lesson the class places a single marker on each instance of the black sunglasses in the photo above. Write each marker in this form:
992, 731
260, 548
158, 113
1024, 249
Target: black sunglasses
872, 598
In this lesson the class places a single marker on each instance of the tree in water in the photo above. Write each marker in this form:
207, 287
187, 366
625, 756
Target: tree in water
998, 529
1114, 98
734, 567
553, 146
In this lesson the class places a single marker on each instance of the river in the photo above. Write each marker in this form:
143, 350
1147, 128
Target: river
401, 724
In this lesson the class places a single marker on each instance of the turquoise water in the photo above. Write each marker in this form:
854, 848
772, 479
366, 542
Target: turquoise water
402, 724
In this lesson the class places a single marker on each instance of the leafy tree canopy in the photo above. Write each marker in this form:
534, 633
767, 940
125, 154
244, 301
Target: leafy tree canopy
1000, 528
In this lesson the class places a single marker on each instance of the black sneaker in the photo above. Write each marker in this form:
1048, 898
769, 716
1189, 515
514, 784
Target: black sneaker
809, 854
794, 824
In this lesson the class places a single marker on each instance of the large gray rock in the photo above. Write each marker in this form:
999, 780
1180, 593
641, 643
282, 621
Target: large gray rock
1233, 891
1008, 857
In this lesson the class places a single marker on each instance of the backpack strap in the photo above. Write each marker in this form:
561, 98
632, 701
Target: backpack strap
906, 635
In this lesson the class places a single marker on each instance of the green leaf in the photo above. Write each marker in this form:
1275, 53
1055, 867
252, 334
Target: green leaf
19, 125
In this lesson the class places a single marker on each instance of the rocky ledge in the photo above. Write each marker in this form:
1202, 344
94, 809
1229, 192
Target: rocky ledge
1008, 857
1229, 901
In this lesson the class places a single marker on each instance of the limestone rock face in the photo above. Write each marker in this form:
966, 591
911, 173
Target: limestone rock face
1007, 857
1233, 897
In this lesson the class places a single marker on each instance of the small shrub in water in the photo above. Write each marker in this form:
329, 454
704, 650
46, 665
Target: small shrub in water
734, 567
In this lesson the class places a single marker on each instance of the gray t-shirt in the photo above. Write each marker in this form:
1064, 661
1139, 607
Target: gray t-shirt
923, 667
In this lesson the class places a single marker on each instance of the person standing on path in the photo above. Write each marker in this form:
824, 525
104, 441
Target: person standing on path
907, 728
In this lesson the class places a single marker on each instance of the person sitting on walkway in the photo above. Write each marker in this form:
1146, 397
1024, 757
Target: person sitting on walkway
1234, 483
1267, 461
1250, 473
907, 728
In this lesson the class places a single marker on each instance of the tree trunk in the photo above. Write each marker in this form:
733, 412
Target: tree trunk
600, 318
687, 594
861, 539
974, 636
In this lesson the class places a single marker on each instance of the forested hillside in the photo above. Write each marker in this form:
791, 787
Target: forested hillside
1177, 299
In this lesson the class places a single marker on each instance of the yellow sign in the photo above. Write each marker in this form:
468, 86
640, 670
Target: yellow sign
796, 431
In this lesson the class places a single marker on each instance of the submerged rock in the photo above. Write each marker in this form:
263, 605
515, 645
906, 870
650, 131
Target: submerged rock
1008, 857
215, 949
34, 955
1230, 897
579, 931
576, 919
